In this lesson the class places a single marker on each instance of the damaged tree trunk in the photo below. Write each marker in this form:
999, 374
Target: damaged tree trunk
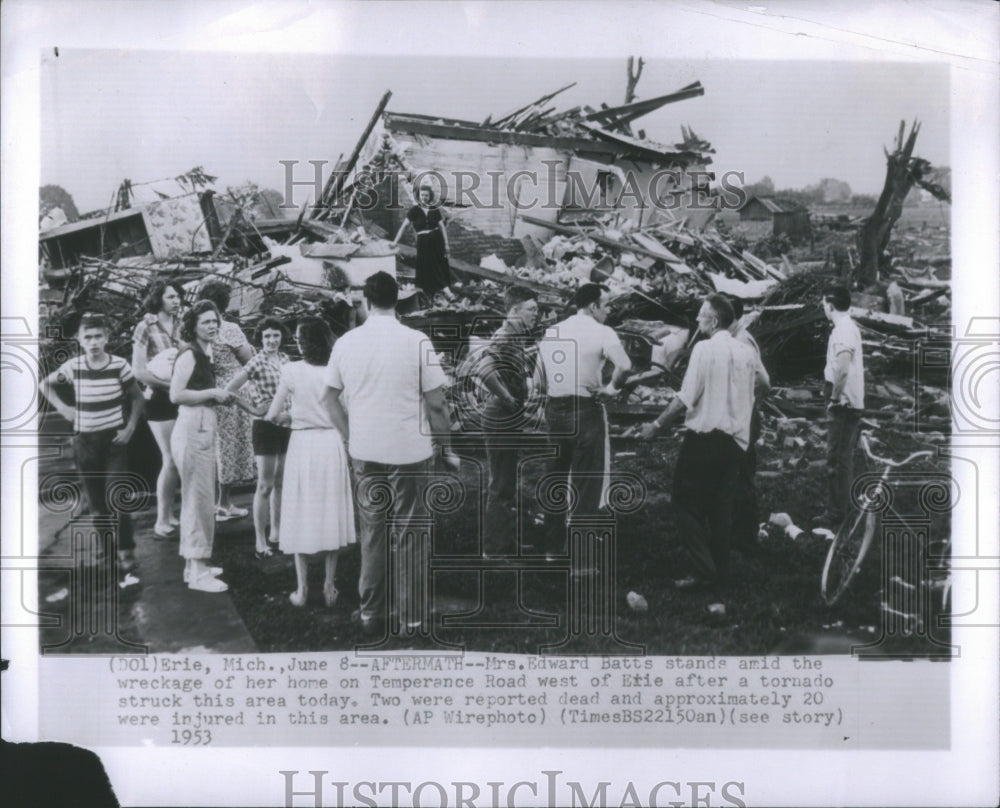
633, 78
903, 171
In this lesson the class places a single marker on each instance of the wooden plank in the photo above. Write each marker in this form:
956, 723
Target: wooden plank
651, 244
867, 315
324, 249
630, 112
465, 268
533, 252
634, 146
545, 98
336, 181
607, 242
498, 136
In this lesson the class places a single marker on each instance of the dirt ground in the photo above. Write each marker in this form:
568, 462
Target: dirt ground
774, 604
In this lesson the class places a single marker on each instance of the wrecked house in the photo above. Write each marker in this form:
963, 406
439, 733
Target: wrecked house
163, 229
162, 219
765, 215
585, 160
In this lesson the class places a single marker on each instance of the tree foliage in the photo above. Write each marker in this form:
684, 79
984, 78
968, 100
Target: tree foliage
55, 196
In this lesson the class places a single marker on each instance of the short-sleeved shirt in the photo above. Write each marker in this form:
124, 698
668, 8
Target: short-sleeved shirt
307, 385
423, 220
508, 352
718, 387
152, 336
573, 354
744, 336
384, 368
100, 392
846, 337
264, 375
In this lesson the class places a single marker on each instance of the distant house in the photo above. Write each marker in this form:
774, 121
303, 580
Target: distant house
767, 215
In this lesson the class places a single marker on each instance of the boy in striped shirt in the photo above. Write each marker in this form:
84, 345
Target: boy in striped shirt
101, 383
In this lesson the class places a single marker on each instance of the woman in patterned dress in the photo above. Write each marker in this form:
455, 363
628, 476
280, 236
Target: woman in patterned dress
234, 436
270, 440
317, 503
158, 333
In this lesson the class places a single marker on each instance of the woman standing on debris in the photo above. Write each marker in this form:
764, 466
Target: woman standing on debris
433, 272
234, 437
316, 502
157, 334
270, 440
193, 388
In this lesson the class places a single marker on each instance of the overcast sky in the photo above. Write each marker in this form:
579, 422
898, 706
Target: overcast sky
111, 114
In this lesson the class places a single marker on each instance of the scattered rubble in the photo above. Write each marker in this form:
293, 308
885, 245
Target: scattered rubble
658, 264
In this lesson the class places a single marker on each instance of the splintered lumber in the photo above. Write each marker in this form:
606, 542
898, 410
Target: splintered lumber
337, 179
657, 249
913, 279
745, 290
600, 239
410, 253
533, 255
629, 112
507, 119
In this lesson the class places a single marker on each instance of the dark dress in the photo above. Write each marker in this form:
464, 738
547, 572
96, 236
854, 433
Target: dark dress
433, 273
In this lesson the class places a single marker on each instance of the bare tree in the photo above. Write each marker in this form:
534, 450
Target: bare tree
903, 171
633, 78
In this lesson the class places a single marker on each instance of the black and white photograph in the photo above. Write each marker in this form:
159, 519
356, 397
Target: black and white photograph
611, 381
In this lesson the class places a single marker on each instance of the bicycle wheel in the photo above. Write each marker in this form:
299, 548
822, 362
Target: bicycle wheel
847, 551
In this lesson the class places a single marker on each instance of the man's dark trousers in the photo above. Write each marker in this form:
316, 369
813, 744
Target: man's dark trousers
102, 465
395, 492
502, 454
577, 432
705, 481
843, 428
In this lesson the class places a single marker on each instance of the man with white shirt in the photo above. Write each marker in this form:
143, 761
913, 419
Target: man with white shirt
717, 397
845, 376
391, 385
745, 516
573, 354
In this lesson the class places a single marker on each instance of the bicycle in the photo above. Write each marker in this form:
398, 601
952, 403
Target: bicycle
854, 537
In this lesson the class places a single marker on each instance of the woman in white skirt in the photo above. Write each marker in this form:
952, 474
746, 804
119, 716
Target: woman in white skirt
317, 505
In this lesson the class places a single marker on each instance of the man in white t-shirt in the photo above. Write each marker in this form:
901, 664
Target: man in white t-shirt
391, 385
716, 398
745, 516
845, 376
573, 354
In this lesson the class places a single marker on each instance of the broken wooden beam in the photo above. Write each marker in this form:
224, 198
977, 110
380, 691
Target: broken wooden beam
337, 179
465, 268
474, 132
605, 240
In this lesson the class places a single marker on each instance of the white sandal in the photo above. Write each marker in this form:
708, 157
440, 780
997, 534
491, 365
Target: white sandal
213, 571
206, 582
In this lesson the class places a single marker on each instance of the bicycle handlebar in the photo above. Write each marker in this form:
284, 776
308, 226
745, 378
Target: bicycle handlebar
866, 447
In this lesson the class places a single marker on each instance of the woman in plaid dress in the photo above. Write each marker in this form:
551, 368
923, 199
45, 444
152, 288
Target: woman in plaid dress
270, 439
